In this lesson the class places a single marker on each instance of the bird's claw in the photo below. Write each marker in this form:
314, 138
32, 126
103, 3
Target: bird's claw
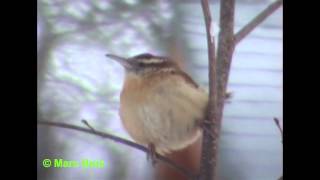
152, 155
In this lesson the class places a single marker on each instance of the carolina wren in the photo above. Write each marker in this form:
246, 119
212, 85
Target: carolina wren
160, 105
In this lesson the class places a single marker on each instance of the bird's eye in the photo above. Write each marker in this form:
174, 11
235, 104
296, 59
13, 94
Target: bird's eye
140, 64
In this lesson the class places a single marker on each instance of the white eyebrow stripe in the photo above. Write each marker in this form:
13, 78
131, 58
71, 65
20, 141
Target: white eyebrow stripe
151, 61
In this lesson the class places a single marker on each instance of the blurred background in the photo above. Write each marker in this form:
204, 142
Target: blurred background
76, 81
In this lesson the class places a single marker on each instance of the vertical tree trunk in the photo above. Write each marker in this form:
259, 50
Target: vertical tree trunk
219, 68
225, 51
210, 141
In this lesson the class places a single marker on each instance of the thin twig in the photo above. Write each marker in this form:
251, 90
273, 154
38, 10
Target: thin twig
87, 124
208, 160
257, 20
276, 120
91, 131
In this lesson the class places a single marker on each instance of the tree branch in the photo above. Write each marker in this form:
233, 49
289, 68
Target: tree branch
225, 50
88, 125
219, 74
276, 120
218, 77
209, 142
91, 131
257, 20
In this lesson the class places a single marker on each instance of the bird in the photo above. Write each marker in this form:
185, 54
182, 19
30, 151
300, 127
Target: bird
161, 106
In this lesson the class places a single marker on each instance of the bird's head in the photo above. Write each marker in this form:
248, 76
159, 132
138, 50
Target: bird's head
146, 63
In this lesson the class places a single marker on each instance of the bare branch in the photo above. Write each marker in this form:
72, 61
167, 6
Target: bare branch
87, 124
219, 71
218, 77
225, 48
162, 159
257, 20
209, 142
276, 120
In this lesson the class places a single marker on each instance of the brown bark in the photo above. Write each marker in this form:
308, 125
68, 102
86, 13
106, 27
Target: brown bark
210, 141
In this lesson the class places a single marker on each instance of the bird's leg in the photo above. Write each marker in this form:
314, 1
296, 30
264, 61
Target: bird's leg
151, 155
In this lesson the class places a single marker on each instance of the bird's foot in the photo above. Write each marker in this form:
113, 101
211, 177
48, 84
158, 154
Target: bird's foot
152, 155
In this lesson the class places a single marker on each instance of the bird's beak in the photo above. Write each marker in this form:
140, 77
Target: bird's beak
123, 61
